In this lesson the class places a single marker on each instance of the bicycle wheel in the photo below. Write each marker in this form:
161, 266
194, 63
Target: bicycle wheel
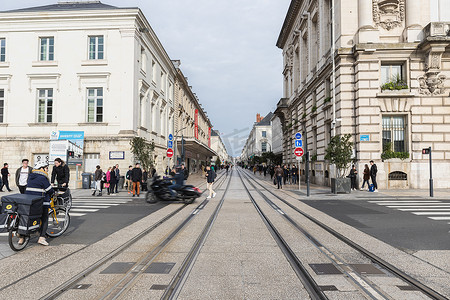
16, 241
68, 202
58, 222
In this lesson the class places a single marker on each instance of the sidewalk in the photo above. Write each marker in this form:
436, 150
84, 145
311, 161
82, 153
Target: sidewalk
317, 191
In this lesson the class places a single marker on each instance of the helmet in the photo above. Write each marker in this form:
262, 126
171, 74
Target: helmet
40, 164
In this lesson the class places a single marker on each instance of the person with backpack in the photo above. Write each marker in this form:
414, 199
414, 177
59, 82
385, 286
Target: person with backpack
210, 177
373, 175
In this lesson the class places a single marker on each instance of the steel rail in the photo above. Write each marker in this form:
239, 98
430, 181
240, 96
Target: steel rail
175, 286
391, 268
309, 283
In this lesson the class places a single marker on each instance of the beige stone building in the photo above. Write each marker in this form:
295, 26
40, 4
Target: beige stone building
192, 125
389, 88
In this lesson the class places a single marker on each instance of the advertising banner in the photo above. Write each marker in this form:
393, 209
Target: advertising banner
196, 124
63, 141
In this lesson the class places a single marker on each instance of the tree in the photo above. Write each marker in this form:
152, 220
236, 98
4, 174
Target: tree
143, 152
339, 152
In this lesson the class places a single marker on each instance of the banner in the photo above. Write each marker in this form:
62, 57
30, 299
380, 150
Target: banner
63, 141
209, 137
196, 124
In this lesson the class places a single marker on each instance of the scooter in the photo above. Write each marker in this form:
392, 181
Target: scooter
159, 191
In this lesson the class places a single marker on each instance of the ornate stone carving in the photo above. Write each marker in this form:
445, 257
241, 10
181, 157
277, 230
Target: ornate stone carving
388, 13
433, 60
431, 83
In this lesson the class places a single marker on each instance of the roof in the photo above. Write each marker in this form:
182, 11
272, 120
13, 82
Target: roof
266, 120
289, 21
214, 133
67, 5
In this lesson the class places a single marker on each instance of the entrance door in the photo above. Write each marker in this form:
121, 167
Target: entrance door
91, 161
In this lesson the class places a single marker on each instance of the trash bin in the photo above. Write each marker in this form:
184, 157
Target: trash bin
121, 182
86, 180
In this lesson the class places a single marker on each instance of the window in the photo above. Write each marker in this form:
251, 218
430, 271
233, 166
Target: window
47, 48
143, 60
394, 128
95, 105
2, 50
264, 147
153, 71
96, 47
264, 134
45, 105
391, 72
2, 105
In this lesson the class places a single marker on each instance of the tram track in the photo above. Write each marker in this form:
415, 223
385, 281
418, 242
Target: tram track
126, 281
426, 290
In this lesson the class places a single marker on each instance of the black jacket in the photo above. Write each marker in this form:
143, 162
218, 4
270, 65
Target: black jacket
211, 175
373, 170
136, 175
61, 173
30, 169
5, 172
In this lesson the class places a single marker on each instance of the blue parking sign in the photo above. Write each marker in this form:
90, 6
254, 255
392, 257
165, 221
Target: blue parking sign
170, 137
170, 144
298, 143
298, 136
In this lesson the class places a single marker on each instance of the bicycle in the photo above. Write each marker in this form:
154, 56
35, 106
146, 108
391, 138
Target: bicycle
58, 214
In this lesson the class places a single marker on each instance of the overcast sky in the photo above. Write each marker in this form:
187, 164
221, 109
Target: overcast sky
227, 51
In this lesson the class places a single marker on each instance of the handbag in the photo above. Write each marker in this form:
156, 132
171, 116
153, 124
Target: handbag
274, 181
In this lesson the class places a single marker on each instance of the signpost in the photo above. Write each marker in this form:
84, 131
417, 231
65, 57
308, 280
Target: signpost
299, 153
169, 153
428, 151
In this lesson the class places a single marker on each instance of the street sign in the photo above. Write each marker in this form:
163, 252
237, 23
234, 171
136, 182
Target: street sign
298, 152
298, 143
298, 158
170, 137
169, 153
364, 137
298, 136
170, 144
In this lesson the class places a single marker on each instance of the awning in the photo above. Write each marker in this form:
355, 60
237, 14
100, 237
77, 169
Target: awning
195, 149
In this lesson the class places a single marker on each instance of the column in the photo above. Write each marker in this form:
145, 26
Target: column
413, 24
367, 33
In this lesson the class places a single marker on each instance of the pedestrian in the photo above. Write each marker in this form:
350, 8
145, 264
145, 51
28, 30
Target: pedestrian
128, 179
38, 184
294, 174
144, 180
108, 181
113, 181
117, 173
279, 175
271, 172
136, 178
353, 174
285, 174
373, 175
98, 181
366, 176
61, 173
22, 175
210, 177
265, 170
5, 178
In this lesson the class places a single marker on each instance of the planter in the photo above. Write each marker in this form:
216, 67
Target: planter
340, 185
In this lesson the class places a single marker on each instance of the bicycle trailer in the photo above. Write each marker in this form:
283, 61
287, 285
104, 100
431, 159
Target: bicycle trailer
3, 224
23, 204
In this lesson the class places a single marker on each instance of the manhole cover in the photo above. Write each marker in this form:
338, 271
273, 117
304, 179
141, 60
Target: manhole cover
159, 287
160, 268
366, 269
118, 268
325, 269
326, 288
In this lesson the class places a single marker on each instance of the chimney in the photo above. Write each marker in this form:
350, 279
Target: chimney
258, 118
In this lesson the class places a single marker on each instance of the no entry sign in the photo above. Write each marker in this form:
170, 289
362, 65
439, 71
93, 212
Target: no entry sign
298, 152
169, 153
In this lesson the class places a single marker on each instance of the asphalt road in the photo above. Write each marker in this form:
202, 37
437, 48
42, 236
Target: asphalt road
405, 223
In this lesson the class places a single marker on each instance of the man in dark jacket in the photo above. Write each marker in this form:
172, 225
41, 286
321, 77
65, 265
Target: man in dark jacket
39, 185
61, 173
136, 178
373, 175
98, 181
279, 175
5, 178
117, 174
179, 181
22, 174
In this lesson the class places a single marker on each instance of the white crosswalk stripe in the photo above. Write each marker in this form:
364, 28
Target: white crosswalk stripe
432, 209
81, 206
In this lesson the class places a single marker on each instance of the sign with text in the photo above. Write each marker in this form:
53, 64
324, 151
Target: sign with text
75, 143
196, 124
116, 154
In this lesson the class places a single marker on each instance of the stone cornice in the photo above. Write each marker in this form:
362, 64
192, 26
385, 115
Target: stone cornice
289, 21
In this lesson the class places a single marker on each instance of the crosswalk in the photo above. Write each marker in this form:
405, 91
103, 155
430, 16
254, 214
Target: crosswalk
82, 206
433, 209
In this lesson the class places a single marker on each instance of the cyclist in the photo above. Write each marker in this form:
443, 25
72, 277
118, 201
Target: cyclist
39, 184
61, 172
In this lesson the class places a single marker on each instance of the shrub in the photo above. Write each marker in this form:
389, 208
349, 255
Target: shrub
395, 84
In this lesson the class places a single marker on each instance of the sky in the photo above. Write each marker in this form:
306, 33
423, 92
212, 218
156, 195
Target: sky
227, 50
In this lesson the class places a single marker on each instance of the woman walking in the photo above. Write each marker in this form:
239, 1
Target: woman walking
113, 180
210, 176
366, 176
108, 180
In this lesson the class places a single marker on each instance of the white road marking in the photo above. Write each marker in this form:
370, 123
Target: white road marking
74, 214
440, 218
90, 206
418, 206
403, 201
431, 213
4, 234
82, 210
424, 209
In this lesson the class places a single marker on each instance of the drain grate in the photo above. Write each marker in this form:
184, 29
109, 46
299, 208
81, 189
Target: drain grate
327, 288
159, 287
118, 268
325, 269
160, 268
367, 269
81, 286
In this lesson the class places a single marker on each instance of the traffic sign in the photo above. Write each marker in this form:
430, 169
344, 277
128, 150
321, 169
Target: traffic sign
169, 153
298, 136
298, 152
298, 143
170, 137
170, 144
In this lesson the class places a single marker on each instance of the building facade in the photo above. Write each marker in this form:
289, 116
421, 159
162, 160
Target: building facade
192, 128
219, 148
86, 67
259, 140
389, 88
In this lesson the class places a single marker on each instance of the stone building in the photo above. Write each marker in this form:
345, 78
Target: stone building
219, 147
389, 88
259, 140
193, 128
83, 66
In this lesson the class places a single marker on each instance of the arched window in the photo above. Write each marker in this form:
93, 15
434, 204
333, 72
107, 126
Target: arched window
397, 175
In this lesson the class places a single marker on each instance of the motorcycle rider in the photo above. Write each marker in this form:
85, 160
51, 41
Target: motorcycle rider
39, 185
179, 181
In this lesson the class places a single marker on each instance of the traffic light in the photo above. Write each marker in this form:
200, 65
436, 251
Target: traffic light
426, 151
70, 154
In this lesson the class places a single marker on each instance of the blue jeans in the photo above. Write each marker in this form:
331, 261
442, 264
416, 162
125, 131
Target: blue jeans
279, 181
174, 187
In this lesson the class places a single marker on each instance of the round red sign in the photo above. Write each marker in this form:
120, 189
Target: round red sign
298, 151
169, 153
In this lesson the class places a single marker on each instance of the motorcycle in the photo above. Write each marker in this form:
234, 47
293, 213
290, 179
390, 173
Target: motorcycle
159, 191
